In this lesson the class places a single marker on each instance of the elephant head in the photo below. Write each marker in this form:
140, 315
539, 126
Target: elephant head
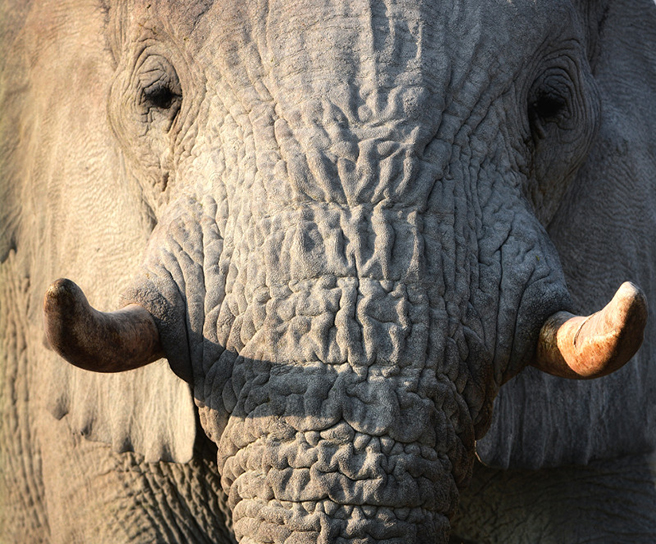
349, 253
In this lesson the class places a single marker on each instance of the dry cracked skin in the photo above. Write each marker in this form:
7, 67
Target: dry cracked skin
343, 210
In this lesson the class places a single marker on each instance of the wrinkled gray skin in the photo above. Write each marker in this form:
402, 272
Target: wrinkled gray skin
350, 220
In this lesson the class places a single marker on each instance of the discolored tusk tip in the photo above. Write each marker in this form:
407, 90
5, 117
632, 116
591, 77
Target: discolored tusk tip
61, 305
582, 347
98, 341
63, 293
630, 306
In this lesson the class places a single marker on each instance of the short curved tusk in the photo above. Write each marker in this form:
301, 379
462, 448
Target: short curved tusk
93, 340
590, 347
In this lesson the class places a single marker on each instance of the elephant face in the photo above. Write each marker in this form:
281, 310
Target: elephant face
350, 255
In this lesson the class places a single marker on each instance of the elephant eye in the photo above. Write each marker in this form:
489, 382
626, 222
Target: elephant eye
160, 88
550, 103
160, 96
547, 106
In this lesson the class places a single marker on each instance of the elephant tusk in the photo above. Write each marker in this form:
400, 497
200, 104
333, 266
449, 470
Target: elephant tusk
93, 340
590, 347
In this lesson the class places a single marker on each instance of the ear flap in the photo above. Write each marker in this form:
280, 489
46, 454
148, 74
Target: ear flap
12, 81
605, 234
149, 410
80, 217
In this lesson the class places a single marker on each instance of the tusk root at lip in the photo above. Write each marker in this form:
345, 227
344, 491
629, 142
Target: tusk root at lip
582, 347
97, 341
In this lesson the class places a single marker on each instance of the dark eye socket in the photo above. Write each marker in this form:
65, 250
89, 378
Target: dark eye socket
159, 84
550, 103
547, 106
160, 96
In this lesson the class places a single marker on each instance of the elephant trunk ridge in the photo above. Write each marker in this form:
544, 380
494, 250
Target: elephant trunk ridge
327, 521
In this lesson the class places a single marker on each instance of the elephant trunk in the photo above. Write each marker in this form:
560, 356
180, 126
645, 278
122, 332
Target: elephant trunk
338, 484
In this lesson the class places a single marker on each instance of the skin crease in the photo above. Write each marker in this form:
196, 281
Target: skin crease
226, 126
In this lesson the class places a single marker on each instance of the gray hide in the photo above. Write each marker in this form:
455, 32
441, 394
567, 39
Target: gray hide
602, 235
349, 221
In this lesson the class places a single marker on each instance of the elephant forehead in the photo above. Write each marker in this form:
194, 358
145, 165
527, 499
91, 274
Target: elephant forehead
315, 151
378, 45
352, 102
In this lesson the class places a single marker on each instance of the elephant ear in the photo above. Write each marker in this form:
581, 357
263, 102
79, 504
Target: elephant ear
149, 410
71, 212
12, 18
605, 234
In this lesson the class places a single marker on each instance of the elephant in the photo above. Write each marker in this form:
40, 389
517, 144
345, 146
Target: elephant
342, 271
